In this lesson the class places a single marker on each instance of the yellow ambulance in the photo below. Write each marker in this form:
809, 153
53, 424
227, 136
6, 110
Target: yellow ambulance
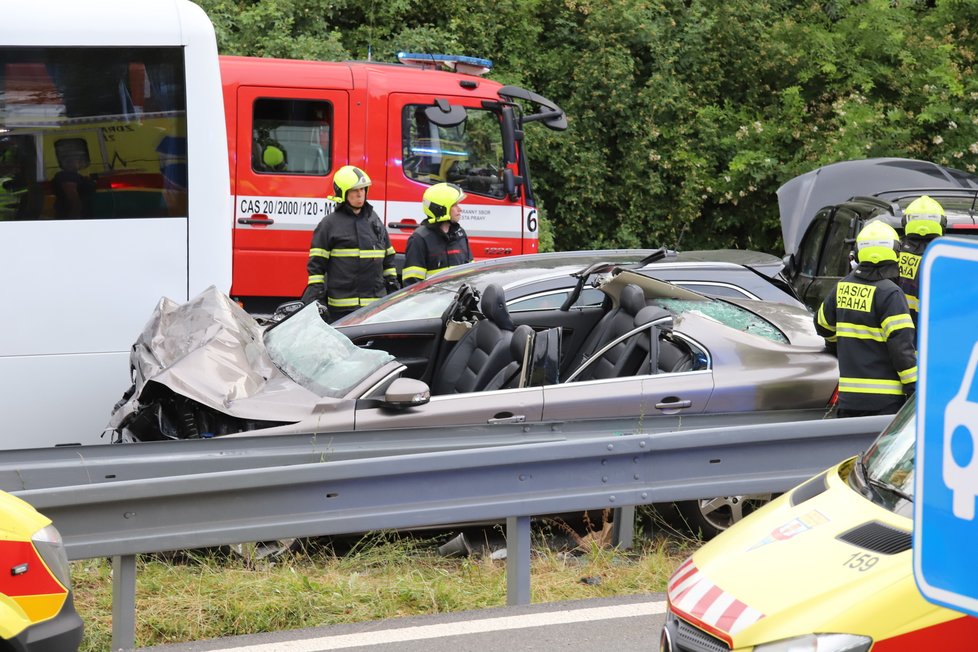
827, 567
37, 613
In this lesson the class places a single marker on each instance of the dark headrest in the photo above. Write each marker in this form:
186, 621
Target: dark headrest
522, 337
494, 307
632, 299
649, 314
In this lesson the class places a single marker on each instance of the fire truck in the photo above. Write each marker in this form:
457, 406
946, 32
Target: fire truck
429, 119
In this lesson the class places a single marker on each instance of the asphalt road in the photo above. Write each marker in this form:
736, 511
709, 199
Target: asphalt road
622, 624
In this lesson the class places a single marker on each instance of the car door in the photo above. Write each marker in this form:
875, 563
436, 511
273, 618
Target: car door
499, 407
802, 272
833, 263
667, 396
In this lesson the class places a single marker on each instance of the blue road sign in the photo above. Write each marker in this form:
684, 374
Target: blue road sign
945, 547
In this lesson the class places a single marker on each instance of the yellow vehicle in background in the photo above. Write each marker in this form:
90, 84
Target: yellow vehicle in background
37, 613
827, 567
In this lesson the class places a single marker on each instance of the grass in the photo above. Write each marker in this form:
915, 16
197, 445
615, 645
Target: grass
207, 594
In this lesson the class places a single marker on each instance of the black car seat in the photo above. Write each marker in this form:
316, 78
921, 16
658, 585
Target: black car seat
481, 352
509, 376
630, 301
624, 358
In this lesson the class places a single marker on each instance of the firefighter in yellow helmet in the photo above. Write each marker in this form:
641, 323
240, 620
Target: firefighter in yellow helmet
923, 220
866, 317
440, 242
351, 260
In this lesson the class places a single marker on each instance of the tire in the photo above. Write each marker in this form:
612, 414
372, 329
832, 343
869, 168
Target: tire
709, 517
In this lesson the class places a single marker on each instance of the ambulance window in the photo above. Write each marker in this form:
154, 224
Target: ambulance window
291, 136
469, 154
92, 133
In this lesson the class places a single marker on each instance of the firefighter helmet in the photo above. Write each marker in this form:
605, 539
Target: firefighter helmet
924, 216
347, 178
439, 199
877, 242
273, 157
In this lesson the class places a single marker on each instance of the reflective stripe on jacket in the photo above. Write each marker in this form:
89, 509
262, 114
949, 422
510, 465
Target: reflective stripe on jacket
866, 315
349, 258
911, 250
431, 250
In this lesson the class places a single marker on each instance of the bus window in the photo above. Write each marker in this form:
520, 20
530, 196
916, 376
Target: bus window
93, 133
291, 137
469, 154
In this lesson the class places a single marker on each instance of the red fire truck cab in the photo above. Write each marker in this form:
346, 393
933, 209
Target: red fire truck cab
292, 124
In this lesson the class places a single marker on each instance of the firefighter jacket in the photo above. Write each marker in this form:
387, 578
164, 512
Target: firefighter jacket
430, 250
911, 251
349, 259
866, 316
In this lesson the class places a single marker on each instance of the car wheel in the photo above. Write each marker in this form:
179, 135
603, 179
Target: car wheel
709, 517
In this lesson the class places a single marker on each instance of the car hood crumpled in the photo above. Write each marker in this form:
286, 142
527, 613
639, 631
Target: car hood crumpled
210, 350
800, 198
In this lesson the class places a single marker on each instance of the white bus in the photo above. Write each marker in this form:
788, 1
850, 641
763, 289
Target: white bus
114, 192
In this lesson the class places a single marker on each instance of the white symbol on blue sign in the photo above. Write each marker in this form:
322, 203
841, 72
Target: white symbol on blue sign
960, 426
946, 483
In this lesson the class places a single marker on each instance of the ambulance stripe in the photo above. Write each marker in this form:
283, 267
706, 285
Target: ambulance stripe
706, 601
718, 608
681, 581
730, 615
697, 591
747, 618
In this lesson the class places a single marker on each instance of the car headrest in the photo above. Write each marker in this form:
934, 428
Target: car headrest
632, 299
522, 337
649, 314
494, 307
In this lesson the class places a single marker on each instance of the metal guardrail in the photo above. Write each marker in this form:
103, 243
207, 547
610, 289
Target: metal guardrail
40, 468
127, 517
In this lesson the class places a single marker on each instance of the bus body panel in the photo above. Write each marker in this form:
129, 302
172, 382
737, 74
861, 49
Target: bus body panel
79, 288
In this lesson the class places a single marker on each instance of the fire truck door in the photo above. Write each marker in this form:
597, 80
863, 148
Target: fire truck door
469, 154
289, 142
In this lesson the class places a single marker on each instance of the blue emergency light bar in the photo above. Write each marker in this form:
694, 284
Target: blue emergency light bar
452, 62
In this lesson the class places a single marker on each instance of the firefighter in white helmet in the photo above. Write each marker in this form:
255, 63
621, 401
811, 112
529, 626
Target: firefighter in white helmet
866, 317
351, 260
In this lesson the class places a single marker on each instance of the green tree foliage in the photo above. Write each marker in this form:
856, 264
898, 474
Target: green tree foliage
685, 115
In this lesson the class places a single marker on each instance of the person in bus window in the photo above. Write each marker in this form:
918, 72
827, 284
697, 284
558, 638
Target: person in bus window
351, 260
73, 192
440, 242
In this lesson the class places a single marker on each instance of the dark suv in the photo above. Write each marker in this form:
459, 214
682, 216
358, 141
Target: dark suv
823, 254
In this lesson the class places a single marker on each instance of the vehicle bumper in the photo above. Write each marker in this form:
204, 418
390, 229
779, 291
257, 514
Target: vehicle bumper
63, 633
680, 636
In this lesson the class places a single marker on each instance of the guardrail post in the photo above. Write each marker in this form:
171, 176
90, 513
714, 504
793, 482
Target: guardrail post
124, 602
623, 527
517, 560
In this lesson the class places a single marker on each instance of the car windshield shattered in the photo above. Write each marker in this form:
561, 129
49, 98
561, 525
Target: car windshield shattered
318, 357
727, 314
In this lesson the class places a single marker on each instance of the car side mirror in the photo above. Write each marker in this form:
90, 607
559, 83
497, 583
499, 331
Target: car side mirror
405, 393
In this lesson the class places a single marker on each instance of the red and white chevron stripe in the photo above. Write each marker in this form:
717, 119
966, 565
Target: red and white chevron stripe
692, 594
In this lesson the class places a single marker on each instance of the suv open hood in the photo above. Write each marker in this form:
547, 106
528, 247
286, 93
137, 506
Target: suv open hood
800, 198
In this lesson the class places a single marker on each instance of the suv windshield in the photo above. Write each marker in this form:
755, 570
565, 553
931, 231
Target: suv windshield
889, 462
318, 357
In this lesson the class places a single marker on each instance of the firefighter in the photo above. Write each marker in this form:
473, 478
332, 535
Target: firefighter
440, 242
867, 317
923, 220
351, 260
